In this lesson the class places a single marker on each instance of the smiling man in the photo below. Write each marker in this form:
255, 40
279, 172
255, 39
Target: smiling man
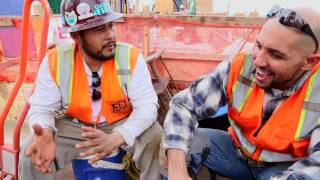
93, 96
273, 98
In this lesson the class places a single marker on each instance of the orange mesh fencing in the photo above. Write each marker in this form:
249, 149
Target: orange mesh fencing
10, 35
179, 36
193, 45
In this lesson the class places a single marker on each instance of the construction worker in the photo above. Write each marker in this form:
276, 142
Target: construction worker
92, 96
273, 98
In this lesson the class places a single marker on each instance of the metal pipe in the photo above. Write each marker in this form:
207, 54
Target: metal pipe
14, 149
23, 66
41, 54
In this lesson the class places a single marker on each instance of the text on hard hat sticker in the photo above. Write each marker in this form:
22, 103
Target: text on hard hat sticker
84, 12
71, 18
102, 8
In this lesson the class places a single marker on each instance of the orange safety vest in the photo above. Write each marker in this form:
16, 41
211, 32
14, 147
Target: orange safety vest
67, 70
286, 135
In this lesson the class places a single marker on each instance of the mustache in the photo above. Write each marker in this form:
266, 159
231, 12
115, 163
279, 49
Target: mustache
108, 44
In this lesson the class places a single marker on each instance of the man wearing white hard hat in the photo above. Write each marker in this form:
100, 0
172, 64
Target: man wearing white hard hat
92, 96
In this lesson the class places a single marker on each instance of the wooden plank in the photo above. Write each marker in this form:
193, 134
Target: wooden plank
159, 86
216, 21
153, 56
6, 22
146, 41
8, 63
193, 56
220, 20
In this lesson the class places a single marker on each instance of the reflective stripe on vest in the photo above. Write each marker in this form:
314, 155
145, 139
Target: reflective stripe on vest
271, 156
65, 65
64, 75
244, 84
249, 148
245, 144
123, 67
310, 115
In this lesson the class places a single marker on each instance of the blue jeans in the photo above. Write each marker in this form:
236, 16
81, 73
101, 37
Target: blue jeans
224, 160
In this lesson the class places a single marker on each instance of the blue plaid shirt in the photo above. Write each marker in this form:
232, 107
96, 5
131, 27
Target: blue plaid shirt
200, 101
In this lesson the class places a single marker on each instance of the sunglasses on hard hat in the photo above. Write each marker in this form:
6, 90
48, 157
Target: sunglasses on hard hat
96, 82
290, 18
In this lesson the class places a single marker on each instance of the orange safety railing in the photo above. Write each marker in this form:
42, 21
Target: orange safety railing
10, 152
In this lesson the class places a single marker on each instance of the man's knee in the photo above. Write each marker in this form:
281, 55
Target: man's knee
152, 135
199, 142
25, 165
24, 161
147, 145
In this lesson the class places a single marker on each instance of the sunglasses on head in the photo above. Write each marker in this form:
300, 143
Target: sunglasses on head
96, 82
290, 18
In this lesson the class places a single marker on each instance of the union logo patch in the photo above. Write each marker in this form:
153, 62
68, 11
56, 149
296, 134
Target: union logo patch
121, 106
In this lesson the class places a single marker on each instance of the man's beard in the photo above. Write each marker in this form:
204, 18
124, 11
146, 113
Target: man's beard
96, 55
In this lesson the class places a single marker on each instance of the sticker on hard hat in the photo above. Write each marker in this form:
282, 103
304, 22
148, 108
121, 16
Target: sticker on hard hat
83, 10
71, 18
102, 8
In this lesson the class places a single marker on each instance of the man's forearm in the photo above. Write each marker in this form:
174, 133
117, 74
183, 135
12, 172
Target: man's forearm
38, 115
177, 163
138, 122
44, 133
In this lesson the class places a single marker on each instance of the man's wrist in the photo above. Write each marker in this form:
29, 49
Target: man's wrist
177, 161
119, 138
126, 135
48, 133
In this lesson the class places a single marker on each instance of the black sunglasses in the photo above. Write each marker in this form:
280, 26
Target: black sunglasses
96, 82
292, 19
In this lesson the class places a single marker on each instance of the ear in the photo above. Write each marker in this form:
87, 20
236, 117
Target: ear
312, 60
75, 36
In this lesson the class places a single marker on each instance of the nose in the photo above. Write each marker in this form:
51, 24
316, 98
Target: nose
259, 56
109, 31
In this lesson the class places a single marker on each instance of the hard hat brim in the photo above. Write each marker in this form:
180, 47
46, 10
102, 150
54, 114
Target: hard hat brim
91, 23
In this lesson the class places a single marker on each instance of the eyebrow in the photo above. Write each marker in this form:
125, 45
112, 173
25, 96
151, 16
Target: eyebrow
284, 55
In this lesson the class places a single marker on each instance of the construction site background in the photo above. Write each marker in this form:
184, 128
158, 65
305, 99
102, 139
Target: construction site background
193, 45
